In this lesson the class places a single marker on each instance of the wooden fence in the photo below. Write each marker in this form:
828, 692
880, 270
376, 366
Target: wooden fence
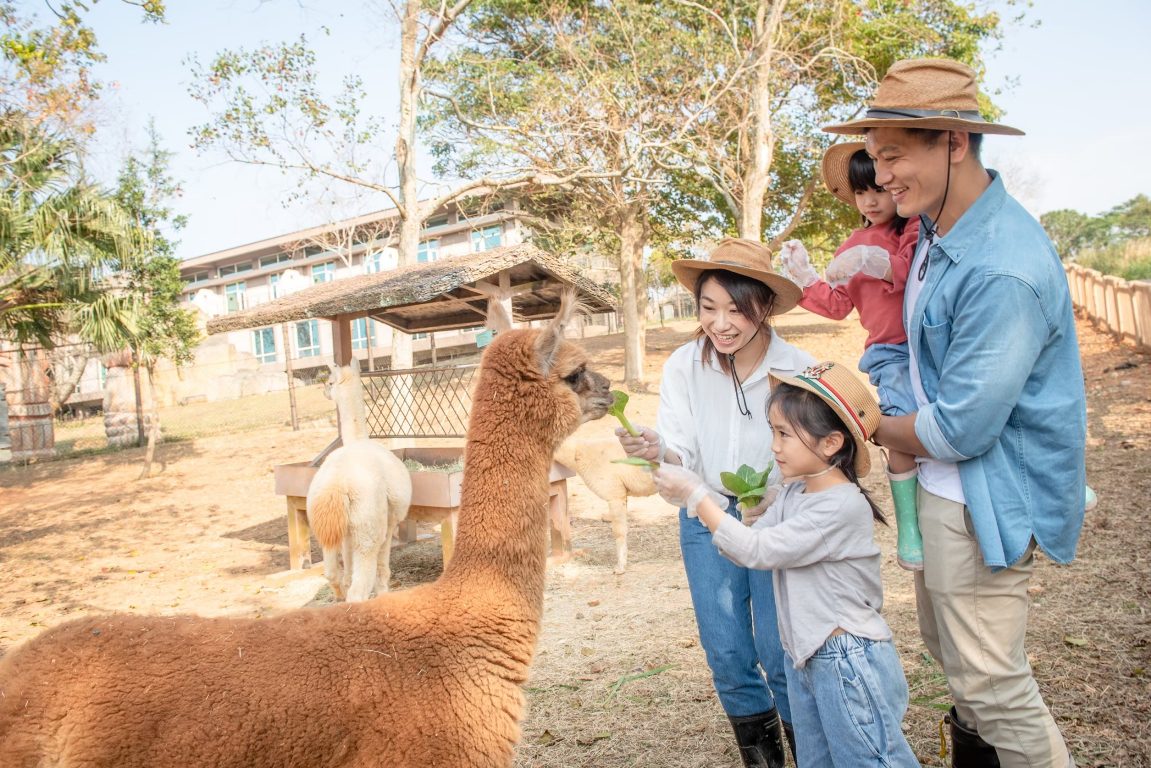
1120, 306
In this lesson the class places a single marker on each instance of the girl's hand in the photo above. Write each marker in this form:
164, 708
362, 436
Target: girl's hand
646, 445
684, 488
796, 265
750, 516
867, 259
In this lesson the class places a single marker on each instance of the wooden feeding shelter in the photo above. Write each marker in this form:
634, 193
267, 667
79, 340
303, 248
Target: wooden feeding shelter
447, 294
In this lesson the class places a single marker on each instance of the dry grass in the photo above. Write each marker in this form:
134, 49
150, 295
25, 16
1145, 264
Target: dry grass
619, 679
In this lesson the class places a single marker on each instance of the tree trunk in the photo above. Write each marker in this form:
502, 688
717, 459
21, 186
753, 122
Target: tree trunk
154, 428
757, 175
631, 234
410, 218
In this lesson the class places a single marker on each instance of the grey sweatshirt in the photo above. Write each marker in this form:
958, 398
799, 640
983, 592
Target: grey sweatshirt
825, 562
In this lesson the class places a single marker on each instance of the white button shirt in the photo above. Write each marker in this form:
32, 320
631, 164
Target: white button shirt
699, 418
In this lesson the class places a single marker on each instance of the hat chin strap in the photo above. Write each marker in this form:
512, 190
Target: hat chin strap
933, 229
740, 396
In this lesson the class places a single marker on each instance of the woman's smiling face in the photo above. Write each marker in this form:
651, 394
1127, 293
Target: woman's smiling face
728, 328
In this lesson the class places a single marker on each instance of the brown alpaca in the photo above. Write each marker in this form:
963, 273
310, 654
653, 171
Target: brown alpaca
426, 677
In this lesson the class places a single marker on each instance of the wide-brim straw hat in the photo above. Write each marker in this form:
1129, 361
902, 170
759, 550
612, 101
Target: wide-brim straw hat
743, 257
836, 385
936, 94
836, 162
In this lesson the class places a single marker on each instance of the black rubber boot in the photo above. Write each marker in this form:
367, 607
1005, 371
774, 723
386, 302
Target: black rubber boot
967, 749
789, 731
760, 739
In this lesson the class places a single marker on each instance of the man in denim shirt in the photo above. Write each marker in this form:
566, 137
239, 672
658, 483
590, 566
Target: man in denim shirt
1001, 423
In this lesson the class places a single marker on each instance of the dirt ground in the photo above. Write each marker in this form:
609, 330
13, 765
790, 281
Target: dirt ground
619, 678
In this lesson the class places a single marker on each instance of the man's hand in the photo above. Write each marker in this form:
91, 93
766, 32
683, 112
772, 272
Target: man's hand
646, 445
796, 265
869, 259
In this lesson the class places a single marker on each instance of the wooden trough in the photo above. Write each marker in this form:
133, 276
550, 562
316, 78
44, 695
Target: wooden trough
435, 499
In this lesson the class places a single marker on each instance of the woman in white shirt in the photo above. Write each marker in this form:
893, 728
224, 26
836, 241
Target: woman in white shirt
712, 419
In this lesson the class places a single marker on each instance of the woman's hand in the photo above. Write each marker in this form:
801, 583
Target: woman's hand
646, 445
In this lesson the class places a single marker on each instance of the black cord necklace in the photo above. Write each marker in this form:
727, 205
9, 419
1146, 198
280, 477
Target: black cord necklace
933, 228
740, 395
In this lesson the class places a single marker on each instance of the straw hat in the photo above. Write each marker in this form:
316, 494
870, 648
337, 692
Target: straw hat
837, 386
836, 161
743, 257
937, 94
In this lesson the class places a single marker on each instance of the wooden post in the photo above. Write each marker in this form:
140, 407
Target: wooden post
291, 378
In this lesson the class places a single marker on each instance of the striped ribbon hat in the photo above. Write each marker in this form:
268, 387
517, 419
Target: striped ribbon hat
837, 386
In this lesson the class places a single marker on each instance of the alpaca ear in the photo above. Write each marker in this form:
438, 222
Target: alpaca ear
551, 338
498, 319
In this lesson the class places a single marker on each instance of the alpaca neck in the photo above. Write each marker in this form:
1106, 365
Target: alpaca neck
353, 417
501, 537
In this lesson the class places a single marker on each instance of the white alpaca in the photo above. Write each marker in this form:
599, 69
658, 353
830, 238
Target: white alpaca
357, 499
592, 459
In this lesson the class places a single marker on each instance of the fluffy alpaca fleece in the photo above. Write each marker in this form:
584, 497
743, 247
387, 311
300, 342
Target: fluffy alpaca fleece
357, 499
591, 459
426, 677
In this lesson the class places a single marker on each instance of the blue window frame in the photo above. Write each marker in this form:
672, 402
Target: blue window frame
429, 250
363, 331
234, 296
488, 237
307, 338
264, 344
324, 273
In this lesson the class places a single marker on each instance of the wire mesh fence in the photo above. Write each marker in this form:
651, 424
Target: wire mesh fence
430, 402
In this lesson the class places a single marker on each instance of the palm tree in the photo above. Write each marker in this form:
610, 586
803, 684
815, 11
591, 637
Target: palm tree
62, 239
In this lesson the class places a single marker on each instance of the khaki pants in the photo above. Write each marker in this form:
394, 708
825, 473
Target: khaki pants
973, 621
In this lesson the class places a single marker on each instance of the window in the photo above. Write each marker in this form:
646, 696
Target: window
435, 222
274, 285
307, 338
234, 296
373, 262
488, 237
235, 269
264, 345
271, 261
324, 273
429, 250
199, 277
363, 332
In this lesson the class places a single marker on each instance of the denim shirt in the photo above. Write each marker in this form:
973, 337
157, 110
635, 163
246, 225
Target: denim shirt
995, 337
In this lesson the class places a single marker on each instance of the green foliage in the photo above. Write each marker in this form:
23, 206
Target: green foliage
1130, 260
746, 484
47, 73
61, 240
1075, 233
162, 328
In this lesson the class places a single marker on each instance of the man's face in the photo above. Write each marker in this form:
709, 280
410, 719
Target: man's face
912, 170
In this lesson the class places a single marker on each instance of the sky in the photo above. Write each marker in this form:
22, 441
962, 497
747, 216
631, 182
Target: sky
1076, 84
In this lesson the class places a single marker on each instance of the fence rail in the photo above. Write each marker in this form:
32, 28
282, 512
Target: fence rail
1120, 306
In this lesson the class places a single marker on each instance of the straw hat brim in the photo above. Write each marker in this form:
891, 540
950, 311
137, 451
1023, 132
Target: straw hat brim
836, 162
787, 293
862, 456
857, 127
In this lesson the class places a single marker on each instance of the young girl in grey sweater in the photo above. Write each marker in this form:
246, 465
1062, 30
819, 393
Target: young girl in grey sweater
846, 684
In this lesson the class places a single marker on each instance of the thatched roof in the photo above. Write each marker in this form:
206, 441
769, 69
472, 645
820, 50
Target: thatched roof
437, 296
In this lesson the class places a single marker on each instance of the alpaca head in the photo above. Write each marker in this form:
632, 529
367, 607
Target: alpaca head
543, 380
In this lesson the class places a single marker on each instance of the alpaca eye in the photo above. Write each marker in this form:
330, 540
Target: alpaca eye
574, 377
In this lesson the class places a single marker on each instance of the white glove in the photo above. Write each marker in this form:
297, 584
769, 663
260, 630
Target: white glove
869, 259
646, 445
684, 488
796, 265
751, 515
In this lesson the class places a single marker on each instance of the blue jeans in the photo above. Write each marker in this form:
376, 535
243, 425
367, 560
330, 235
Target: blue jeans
849, 700
735, 613
888, 367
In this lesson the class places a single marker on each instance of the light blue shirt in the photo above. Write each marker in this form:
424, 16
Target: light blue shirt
994, 336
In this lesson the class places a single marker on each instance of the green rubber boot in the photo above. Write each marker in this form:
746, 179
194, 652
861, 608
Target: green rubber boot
909, 553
